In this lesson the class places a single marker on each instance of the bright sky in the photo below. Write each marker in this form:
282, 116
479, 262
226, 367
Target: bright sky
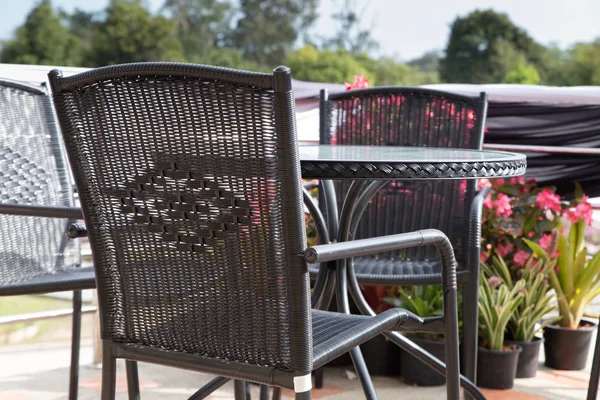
405, 28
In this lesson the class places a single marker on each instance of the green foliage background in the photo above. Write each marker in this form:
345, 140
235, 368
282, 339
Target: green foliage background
483, 47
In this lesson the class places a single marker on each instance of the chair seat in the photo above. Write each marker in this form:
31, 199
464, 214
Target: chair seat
385, 271
73, 279
334, 333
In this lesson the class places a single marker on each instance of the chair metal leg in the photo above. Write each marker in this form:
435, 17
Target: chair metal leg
363, 374
470, 315
303, 395
239, 389
451, 337
133, 382
276, 393
210, 387
319, 373
264, 392
75, 344
595, 374
109, 371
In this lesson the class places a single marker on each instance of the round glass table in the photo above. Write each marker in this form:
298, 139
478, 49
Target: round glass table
393, 162
371, 168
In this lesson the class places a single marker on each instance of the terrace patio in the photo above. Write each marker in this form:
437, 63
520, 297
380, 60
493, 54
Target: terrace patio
40, 371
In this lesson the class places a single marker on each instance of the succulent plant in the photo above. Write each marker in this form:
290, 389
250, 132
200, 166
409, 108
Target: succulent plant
497, 303
526, 321
576, 278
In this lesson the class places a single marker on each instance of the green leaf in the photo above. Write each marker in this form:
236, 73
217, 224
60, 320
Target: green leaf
536, 248
578, 192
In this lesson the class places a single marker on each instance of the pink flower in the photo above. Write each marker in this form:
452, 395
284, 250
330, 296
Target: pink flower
360, 82
503, 251
531, 234
519, 180
483, 183
548, 201
498, 182
494, 282
483, 256
582, 210
488, 202
545, 241
521, 257
502, 205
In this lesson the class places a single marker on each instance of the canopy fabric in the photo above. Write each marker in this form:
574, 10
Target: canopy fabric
548, 116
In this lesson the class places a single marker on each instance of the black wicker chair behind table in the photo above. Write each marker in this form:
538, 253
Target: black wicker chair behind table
404, 116
190, 185
36, 208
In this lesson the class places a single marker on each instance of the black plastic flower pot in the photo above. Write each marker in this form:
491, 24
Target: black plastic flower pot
497, 369
567, 349
415, 372
382, 357
528, 358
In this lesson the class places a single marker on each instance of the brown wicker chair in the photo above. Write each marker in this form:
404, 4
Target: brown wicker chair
189, 180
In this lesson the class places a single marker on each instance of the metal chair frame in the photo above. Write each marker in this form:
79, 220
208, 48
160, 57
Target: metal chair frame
468, 275
312, 344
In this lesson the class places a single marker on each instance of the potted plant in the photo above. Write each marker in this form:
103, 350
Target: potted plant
526, 321
497, 361
576, 281
424, 301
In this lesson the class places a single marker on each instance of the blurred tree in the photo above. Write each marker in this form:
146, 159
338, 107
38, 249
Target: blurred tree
350, 36
554, 69
42, 39
201, 25
266, 30
584, 66
311, 64
479, 45
83, 25
386, 71
130, 33
428, 62
231, 58
524, 74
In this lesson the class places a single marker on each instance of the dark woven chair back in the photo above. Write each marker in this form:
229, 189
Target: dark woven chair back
32, 172
397, 116
190, 185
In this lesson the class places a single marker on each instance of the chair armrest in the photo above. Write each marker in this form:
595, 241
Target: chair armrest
362, 247
41, 211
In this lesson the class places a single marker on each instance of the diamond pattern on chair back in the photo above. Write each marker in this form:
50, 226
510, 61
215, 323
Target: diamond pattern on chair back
409, 117
180, 177
32, 172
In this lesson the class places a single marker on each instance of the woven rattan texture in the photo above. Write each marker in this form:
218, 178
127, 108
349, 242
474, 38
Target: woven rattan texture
32, 171
352, 170
181, 188
410, 118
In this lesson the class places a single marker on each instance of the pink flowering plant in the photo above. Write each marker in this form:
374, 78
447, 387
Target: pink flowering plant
517, 209
525, 232
576, 277
513, 210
